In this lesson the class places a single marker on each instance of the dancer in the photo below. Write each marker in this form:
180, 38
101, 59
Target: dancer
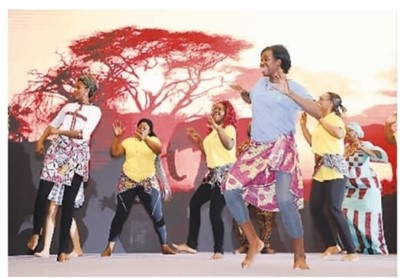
219, 148
267, 174
362, 204
66, 163
265, 219
330, 176
138, 179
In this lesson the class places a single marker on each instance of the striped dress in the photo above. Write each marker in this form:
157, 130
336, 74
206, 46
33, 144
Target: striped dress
362, 204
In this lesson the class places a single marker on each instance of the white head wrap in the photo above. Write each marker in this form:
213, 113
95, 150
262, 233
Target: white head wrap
357, 129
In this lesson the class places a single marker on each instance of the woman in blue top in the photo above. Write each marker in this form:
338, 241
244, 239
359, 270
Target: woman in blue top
266, 175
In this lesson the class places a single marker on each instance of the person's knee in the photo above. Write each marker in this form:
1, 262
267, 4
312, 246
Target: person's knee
215, 217
194, 204
285, 202
158, 215
159, 223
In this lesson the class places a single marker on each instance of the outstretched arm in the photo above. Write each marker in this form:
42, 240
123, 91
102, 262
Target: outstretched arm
244, 94
308, 105
335, 131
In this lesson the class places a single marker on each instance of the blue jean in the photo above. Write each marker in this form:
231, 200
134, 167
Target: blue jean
290, 215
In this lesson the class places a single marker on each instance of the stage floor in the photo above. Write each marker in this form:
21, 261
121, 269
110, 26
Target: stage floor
185, 265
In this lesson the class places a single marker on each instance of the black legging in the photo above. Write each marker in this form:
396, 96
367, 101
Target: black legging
203, 194
326, 203
67, 212
42, 203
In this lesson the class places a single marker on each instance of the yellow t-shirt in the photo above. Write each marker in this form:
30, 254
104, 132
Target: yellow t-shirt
216, 154
139, 159
324, 143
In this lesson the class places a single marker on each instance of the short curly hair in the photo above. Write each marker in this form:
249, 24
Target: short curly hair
88, 80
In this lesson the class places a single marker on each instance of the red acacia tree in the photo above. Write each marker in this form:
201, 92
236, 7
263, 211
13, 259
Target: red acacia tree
146, 71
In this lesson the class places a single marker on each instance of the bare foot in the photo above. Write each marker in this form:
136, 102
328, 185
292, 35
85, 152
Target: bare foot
216, 256
75, 253
42, 254
350, 257
252, 252
300, 262
62, 257
331, 250
184, 248
33, 241
107, 252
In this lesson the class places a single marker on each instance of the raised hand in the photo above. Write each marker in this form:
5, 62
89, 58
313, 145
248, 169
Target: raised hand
211, 123
117, 127
282, 84
303, 119
237, 87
